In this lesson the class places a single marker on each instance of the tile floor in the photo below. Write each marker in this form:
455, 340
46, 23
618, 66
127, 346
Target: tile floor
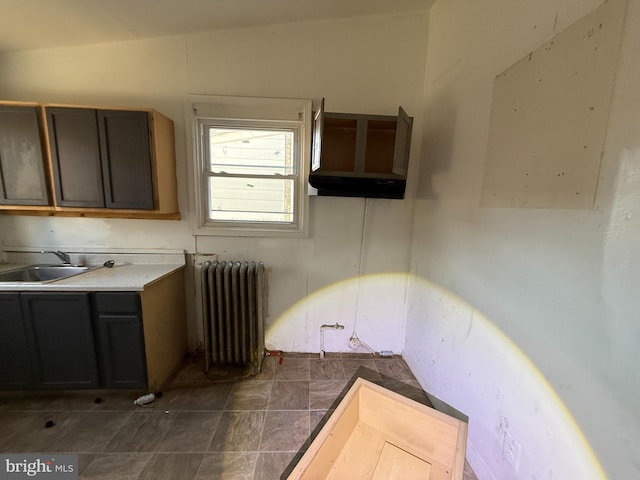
223, 425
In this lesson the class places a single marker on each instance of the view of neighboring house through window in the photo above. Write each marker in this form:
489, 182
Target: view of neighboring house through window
251, 174
251, 159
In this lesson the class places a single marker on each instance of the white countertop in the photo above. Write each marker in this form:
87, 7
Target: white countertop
129, 277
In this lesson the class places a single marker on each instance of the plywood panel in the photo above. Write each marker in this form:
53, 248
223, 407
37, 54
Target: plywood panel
397, 463
426, 432
549, 117
359, 455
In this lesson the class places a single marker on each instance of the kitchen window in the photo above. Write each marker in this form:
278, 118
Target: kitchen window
251, 166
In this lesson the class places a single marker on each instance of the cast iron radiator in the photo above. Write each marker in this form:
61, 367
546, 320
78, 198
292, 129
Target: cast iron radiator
233, 306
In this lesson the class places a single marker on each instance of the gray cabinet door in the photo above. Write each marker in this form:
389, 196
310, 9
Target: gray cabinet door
75, 155
121, 340
101, 158
60, 327
22, 177
15, 363
126, 159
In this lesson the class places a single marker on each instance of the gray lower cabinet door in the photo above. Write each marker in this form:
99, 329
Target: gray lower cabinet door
15, 362
122, 351
121, 340
60, 329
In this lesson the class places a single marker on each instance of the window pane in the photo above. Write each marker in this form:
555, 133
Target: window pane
241, 150
251, 200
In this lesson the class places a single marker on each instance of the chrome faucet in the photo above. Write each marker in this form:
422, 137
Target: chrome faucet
66, 260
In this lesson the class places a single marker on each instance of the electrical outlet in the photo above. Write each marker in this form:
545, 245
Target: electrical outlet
511, 451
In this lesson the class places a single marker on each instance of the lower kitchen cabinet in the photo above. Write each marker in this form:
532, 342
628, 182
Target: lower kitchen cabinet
15, 362
60, 331
68, 340
121, 340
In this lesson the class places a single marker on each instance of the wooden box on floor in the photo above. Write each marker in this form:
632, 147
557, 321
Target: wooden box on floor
378, 434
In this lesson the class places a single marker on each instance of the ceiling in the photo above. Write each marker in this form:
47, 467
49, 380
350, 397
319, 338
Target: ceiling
33, 24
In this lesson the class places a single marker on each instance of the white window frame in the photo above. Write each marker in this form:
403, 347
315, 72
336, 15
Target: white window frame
250, 112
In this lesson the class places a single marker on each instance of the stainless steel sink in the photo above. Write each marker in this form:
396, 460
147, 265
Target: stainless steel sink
41, 273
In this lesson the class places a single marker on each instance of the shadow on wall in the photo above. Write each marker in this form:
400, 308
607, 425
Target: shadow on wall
437, 143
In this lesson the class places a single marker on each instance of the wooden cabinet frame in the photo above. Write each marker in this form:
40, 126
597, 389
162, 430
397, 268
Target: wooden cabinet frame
360, 155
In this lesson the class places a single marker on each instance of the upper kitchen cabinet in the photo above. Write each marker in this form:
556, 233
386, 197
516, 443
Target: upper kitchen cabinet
93, 162
359, 155
113, 159
22, 165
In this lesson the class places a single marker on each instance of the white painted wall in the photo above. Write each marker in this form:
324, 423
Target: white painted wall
526, 320
362, 65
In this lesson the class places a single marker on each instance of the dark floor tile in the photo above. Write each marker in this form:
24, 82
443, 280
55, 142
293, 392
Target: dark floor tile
18, 424
360, 367
204, 397
395, 368
268, 370
285, 431
227, 465
28, 400
326, 369
84, 459
190, 431
325, 394
250, 395
191, 374
92, 432
40, 435
116, 399
289, 395
238, 432
230, 373
171, 466
142, 432
271, 465
169, 399
81, 400
293, 369
317, 419
116, 466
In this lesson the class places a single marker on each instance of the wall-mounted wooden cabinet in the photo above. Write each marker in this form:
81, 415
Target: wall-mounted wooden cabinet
100, 158
99, 162
360, 155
